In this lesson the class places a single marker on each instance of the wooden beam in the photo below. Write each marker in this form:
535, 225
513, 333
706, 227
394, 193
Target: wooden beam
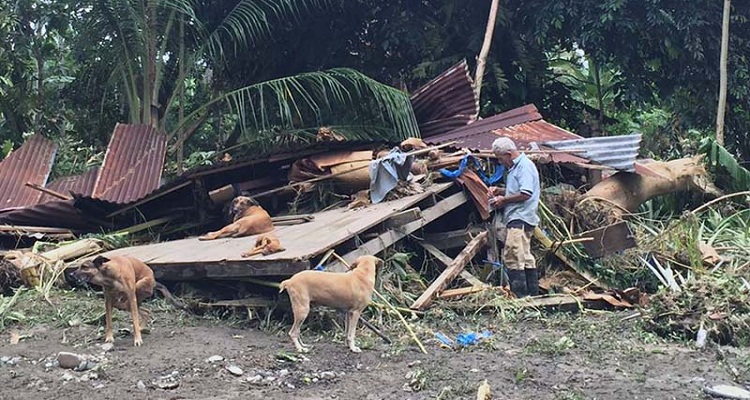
403, 218
390, 237
451, 272
249, 302
443, 259
48, 191
451, 293
204, 270
550, 245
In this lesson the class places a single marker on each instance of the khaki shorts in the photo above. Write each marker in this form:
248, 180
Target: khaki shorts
517, 249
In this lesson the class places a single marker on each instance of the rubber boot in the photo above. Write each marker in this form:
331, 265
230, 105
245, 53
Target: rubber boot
532, 282
517, 282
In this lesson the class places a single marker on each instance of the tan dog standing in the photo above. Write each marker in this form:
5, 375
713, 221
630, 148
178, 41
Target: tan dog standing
349, 291
126, 282
249, 219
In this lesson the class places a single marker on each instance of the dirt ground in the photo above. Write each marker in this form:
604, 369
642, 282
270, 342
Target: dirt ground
534, 356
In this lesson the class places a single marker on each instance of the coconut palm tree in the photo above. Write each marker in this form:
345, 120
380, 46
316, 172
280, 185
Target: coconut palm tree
166, 62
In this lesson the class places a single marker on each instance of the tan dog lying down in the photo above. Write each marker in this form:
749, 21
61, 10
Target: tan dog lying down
349, 291
126, 282
265, 244
249, 219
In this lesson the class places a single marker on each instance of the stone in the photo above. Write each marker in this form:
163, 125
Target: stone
327, 375
69, 360
67, 376
234, 370
107, 347
728, 392
214, 359
140, 385
255, 379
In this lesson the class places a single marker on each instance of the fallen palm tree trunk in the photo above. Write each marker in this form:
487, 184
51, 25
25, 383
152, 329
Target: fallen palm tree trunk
610, 200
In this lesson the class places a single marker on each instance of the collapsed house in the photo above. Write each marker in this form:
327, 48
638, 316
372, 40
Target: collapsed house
446, 218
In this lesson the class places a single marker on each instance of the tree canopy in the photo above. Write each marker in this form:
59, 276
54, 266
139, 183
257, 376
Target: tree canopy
215, 74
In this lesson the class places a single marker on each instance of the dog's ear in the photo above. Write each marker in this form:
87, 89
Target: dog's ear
99, 261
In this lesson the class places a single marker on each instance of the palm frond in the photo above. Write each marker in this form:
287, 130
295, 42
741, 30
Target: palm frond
352, 103
720, 160
252, 20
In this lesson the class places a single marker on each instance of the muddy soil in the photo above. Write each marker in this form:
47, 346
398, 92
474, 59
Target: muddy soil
562, 356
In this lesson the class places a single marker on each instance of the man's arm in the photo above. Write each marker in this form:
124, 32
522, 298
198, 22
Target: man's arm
499, 201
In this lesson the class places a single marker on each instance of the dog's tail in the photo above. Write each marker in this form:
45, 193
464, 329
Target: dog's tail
282, 285
171, 298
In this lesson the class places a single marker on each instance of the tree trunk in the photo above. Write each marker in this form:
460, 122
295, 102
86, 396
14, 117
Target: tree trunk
482, 59
723, 75
181, 109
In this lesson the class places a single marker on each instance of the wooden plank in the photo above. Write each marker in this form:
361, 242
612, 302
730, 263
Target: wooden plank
451, 272
451, 293
446, 261
403, 218
302, 242
549, 245
249, 302
197, 271
390, 237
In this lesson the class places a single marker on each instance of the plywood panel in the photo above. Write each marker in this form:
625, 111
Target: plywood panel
302, 242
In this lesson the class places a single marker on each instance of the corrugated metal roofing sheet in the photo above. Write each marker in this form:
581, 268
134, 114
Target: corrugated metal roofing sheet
79, 184
132, 165
30, 163
53, 214
523, 125
618, 152
446, 102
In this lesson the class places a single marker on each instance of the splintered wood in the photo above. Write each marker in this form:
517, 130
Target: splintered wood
450, 273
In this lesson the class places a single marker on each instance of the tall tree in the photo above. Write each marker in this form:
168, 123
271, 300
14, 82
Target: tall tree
721, 109
151, 61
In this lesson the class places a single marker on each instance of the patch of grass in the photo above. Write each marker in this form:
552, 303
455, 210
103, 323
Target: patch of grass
550, 346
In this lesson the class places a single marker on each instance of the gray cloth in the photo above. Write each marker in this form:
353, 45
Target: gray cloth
387, 171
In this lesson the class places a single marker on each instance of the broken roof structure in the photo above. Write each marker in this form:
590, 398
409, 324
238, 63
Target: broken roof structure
31, 163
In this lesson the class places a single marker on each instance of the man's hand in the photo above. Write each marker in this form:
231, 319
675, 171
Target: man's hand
496, 191
497, 201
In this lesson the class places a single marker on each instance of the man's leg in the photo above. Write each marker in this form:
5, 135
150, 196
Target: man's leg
532, 279
514, 260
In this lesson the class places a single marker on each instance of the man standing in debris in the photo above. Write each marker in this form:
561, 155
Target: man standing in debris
520, 202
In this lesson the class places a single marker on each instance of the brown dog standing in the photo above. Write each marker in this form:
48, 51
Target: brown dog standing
349, 291
126, 281
249, 219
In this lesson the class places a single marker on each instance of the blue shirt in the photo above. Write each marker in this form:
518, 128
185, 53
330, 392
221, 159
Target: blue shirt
522, 178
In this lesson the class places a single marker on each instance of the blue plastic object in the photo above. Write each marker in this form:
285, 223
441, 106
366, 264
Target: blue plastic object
488, 180
319, 267
470, 338
444, 339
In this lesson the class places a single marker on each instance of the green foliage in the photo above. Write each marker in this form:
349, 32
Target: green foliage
724, 166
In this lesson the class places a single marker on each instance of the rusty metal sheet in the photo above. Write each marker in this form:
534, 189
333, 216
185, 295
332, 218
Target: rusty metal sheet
446, 102
132, 165
82, 184
52, 214
30, 163
523, 125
